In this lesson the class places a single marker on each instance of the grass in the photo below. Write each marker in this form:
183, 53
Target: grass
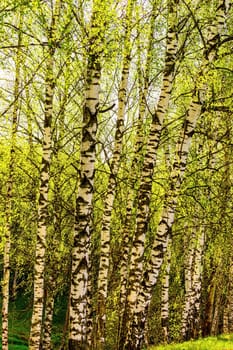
19, 323
221, 342
15, 343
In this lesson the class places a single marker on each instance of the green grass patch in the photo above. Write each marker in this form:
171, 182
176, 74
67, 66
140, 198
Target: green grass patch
20, 319
220, 342
19, 323
16, 343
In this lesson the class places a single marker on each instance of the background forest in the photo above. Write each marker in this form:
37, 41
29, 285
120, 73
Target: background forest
116, 171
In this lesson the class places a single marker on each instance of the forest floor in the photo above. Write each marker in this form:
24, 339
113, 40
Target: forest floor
220, 342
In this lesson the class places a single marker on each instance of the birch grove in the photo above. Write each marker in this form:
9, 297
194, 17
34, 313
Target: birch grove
115, 172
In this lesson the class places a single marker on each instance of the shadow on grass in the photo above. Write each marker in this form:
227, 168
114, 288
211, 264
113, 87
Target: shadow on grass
226, 338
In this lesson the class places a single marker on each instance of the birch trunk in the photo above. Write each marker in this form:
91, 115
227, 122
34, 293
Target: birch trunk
225, 191
114, 169
57, 263
9, 197
48, 317
188, 287
209, 307
83, 221
228, 311
197, 285
165, 295
160, 244
80, 321
140, 301
136, 262
216, 314
193, 278
39, 266
136, 165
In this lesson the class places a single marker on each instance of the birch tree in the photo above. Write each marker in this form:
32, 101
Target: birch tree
227, 313
74, 60
193, 284
80, 304
138, 155
39, 267
136, 262
165, 295
9, 194
114, 168
168, 214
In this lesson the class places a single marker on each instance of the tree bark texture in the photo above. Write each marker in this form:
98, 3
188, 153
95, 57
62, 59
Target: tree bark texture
136, 166
165, 294
9, 197
193, 284
111, 188
39, 265
136, 262
48, 319
80, 304
141, 291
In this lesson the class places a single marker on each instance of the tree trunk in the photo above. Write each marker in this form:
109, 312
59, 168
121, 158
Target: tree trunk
136, 165
48, 317
216, 314
81, 248
228, 311
165, 295
136, 262
193, 278
225, 201
188, 287
39, 266
9, 196
139, 297
80, 304
111, 190
209, 308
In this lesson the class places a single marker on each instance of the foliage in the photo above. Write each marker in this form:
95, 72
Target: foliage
204, 199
